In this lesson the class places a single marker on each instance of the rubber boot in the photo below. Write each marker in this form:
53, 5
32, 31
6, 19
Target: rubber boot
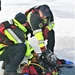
11, 73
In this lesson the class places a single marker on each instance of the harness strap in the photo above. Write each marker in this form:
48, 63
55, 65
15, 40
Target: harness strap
30, 63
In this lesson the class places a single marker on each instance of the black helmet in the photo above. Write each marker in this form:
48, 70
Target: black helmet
20, 17
45, 10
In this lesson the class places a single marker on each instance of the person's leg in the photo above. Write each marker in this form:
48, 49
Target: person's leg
4, 57
51, 40
16, 54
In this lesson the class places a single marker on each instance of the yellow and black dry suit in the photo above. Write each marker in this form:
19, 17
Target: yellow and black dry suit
42, 29
17, 46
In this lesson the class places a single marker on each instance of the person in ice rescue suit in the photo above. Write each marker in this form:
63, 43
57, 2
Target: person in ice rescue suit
45, 65
41, 23
13, 44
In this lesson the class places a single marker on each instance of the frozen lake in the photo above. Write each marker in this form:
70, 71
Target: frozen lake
63, 11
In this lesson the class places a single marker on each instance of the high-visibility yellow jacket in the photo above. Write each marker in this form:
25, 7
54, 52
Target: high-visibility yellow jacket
38, 25
15, 34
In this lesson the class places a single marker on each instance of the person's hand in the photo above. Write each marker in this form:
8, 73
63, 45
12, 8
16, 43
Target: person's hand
43, 48
34, 59
35, 54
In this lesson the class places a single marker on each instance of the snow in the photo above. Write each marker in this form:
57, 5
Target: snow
64, 15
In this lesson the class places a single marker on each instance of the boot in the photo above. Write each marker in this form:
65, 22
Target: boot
11, 73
